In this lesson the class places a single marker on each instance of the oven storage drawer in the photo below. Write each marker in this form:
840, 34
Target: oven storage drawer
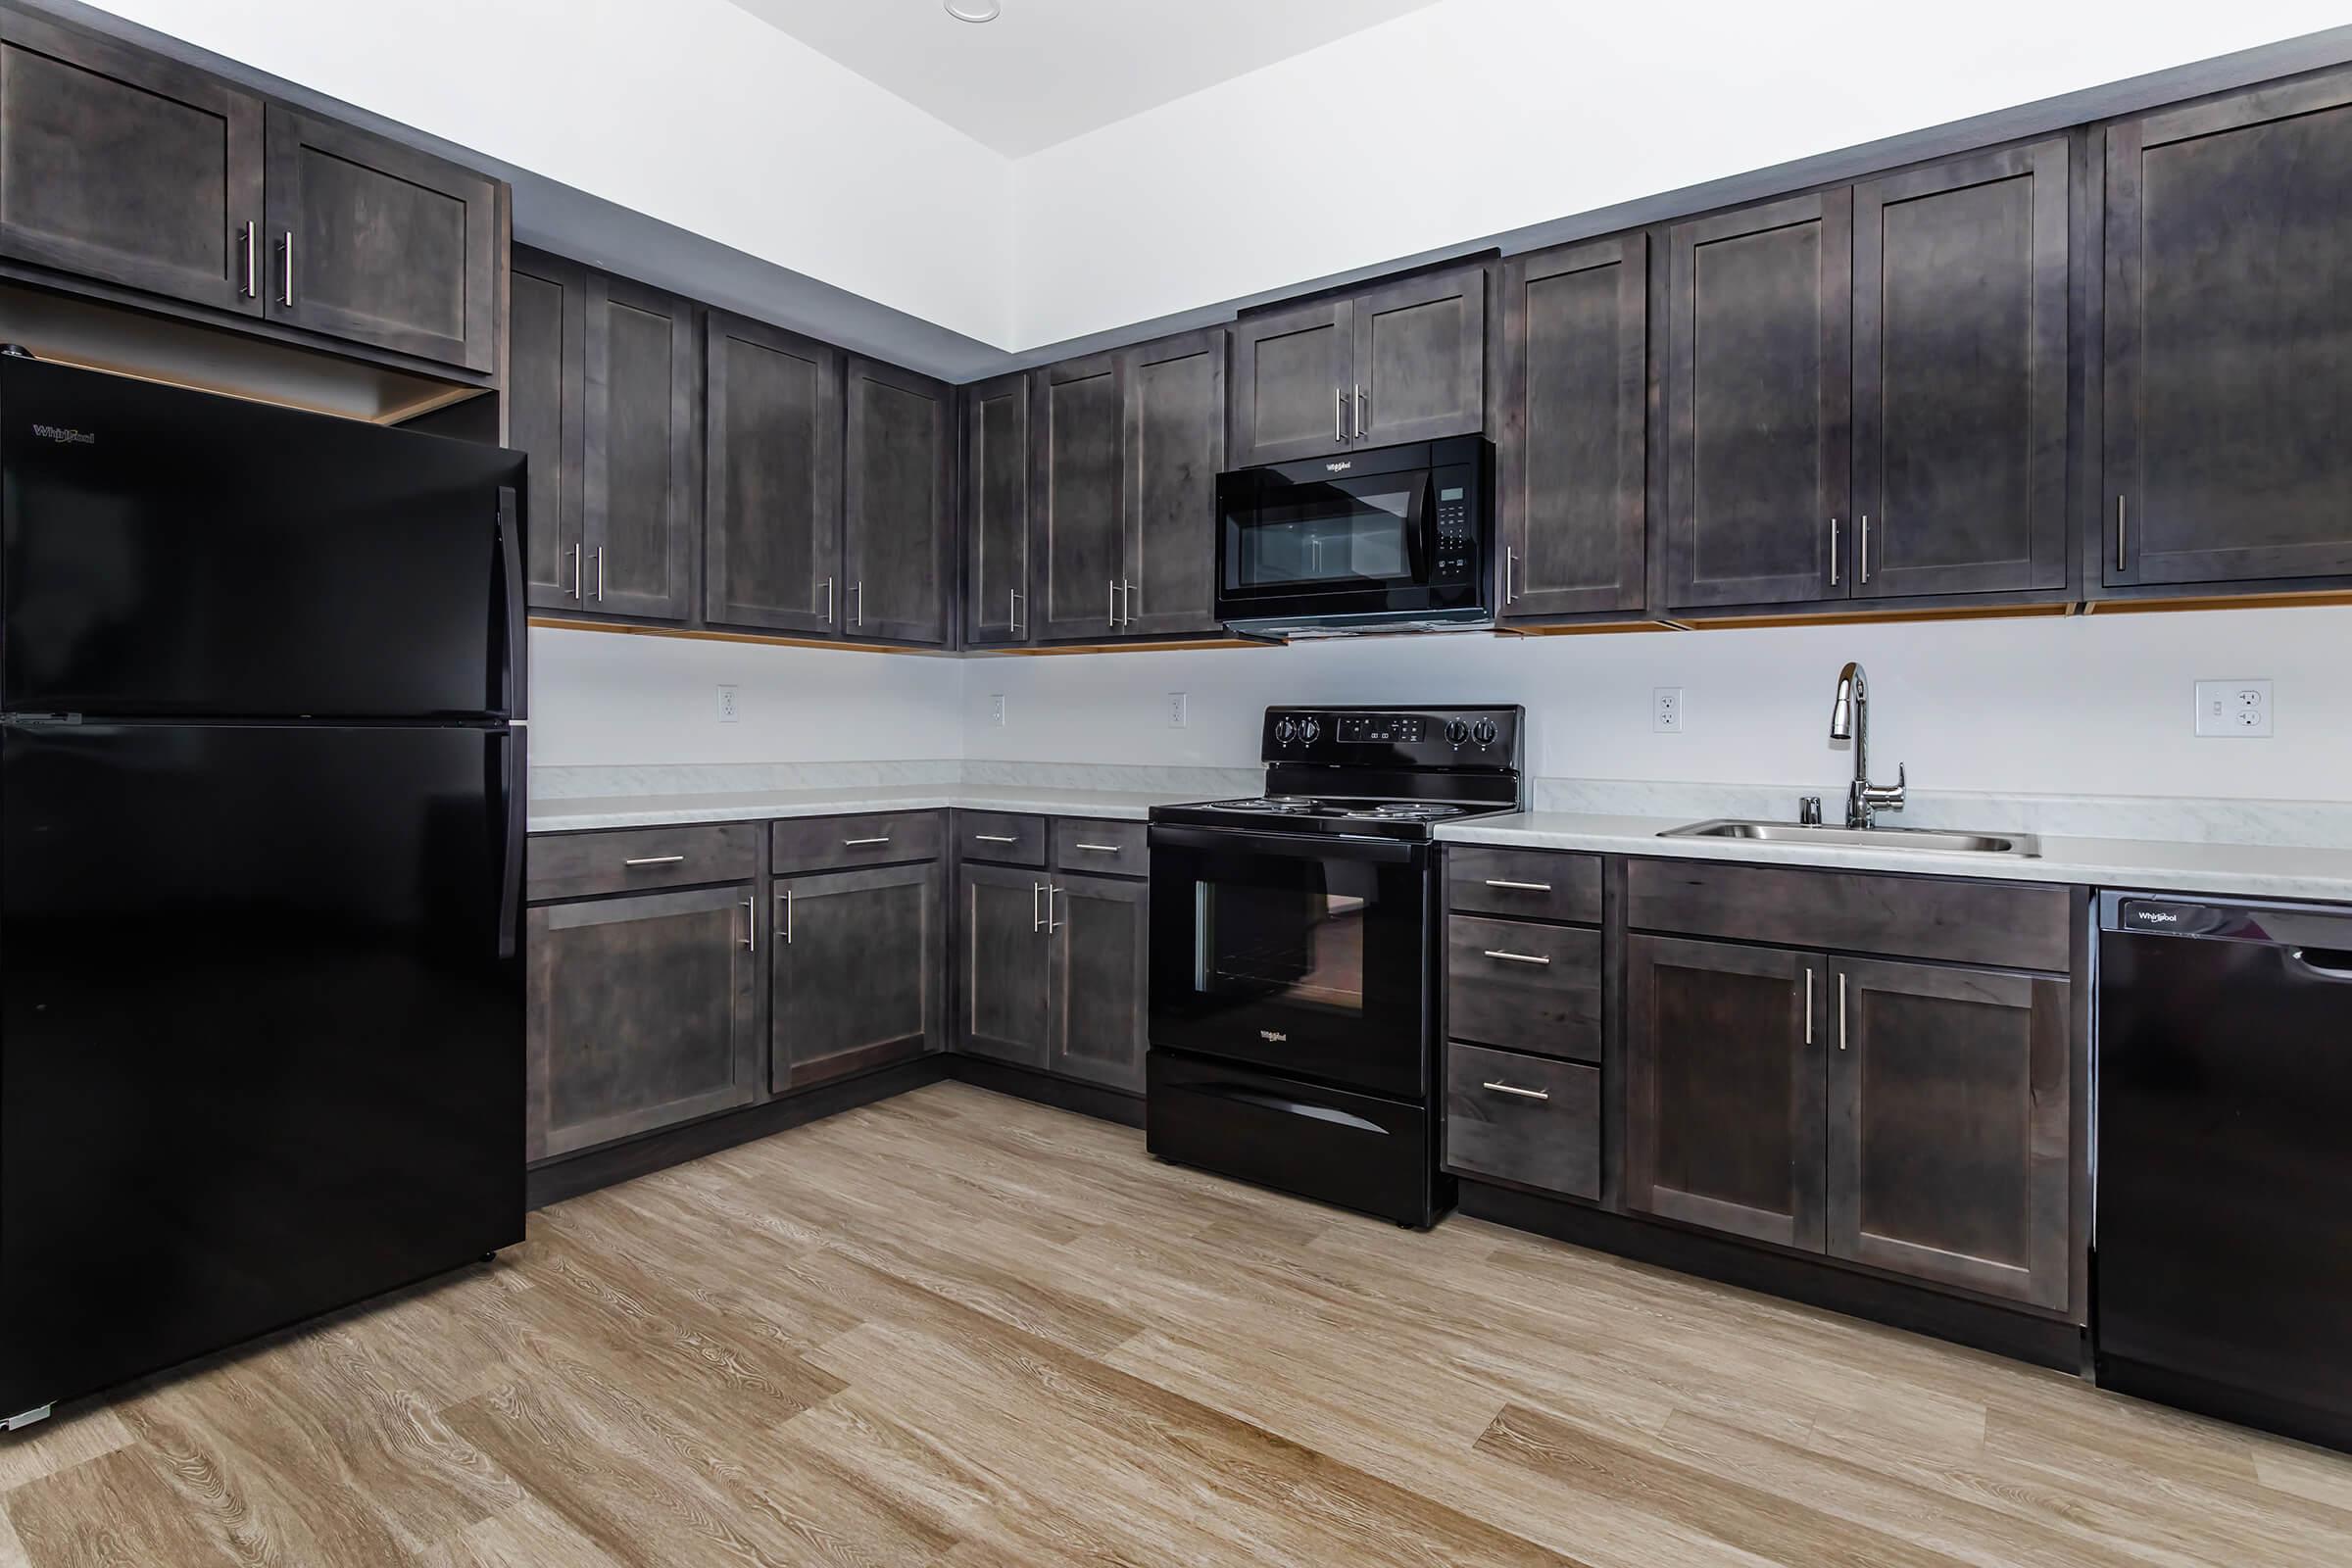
1524, 987
1097, 847
575, 865
1522, 1119
1523, 884
842, 843
1007, 838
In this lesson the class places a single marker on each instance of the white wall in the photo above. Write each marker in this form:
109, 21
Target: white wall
690, 111
1475, 117
2096, 704
601, 699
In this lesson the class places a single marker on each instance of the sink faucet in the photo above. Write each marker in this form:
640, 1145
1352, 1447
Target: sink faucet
1850, 720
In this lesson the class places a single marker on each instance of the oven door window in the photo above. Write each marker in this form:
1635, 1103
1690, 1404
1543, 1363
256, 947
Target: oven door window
1295, 946
1340, 535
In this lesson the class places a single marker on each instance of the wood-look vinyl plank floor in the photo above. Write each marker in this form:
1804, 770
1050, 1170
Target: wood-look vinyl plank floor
964, 1330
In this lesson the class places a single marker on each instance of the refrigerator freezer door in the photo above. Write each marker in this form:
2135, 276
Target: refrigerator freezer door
261, 1040
174, 552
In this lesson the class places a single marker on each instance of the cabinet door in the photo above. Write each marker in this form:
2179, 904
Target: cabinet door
1949, 1126
380, 243
1575, 409
644, 1014
1722, 1113
1100, 958
1757, 383
898, 488
2228, 362
1960, 377
858, 956
1074, 424
547, 420
124, 166
1290, 372
640, 497
771, 549
1005, 965
1174, 447
1420, 359
995, 510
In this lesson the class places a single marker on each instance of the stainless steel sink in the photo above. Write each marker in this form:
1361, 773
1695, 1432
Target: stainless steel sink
2023, 846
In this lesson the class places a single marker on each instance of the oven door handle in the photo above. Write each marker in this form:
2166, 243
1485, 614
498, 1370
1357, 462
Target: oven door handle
1285, 846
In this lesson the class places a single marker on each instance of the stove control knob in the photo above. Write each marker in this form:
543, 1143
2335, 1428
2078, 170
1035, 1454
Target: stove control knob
1285, 731
1485, 732
1457, 732
1310, 730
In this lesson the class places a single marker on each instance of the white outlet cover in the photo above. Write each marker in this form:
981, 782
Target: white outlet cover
996, 710
1176, 710
728, 711
1666, 709
2233, 710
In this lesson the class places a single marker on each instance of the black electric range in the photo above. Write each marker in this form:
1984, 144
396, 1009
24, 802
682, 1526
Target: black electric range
1295, 954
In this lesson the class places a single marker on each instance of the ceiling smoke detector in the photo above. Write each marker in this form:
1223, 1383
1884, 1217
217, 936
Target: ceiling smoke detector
974, 10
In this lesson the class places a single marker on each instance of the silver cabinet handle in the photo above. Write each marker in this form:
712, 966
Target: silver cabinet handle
1111, 600
750, 920
786, 895
857, 603
1841, 1012
1514, 1089
600, 574
860, 844
1098, 849
1359, 411
1519, 887
1012, 609
1832, 552
2118, 532
253, 262
655, 860
1053, 925
287, 298
1127, 592
1037, 922
575, 572
1518, 957
995, 838
1511, 559
1863, 548
1809, 1004
827, 586
1339, 414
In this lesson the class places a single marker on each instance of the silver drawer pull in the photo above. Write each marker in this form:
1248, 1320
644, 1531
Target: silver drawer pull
657, 859
1098, 849
994, 838
1519, 887
1517, 958
1514, 1089
859, 844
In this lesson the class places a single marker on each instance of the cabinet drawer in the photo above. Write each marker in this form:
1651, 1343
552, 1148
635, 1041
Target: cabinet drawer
1092, 845
1523, 884
1000, 836
1522, 1119
2006, 923
573, 866
832, 842
1527, 987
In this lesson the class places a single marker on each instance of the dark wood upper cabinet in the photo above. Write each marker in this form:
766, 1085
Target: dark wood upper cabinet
1100, 958
1172, 450
128, 168
1290, 372
1723, 1088
378, 243
640, 492
1960, 377
1420, 357
1950, 1127
2229, 339
1572, 476
898, 500
1074, 419
1757, 423
1005, 965
547, 420
858, 958
995, 510
771, 549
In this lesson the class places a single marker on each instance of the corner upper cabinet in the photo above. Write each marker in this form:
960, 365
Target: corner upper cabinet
1075, 411
1172, 448
1759, 428
547, 394
640, 491
2229, 339
772, 536
995, 511
377, 243
898, 497
1572, 476
128, 168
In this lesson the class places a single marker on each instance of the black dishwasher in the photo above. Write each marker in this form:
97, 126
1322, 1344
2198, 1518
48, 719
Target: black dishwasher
2224, 1239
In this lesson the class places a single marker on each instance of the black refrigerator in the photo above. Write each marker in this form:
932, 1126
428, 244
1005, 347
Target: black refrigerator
261, 795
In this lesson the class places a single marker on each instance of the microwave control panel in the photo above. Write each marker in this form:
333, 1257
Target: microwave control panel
1457, 550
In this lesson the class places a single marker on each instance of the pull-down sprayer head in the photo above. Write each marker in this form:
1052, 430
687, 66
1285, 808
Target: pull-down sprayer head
1852, 687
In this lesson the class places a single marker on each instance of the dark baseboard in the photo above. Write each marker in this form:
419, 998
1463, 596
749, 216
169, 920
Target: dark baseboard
1062, 1094
2018, 1335
620, 1163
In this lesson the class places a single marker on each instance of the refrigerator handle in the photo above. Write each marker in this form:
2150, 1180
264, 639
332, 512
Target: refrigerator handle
514, 806
510, 701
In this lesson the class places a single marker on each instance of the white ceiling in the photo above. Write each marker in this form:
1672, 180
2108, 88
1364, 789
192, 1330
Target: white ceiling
1050, 69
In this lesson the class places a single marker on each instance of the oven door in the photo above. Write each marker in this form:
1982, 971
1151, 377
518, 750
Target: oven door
1294, 545
1304, 955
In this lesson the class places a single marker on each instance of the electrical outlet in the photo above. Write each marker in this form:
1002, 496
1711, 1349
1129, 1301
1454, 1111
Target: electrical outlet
996, 710
1666, 709
726, 705
1175, 709
2233, 710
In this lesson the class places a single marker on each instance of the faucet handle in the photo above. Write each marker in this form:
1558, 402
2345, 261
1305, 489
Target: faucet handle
1808, 810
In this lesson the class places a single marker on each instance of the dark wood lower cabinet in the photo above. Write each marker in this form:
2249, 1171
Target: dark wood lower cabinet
1102, 944
1004, 1007
858, 959
644, 1013
1052, 968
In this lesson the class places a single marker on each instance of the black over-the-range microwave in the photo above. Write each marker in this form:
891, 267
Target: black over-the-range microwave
1389, 539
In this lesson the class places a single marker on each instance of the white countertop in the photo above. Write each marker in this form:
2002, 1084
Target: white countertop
754, 805
2262, 870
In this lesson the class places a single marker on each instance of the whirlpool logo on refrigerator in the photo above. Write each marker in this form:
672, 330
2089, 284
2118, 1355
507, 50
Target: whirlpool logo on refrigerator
65, 435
